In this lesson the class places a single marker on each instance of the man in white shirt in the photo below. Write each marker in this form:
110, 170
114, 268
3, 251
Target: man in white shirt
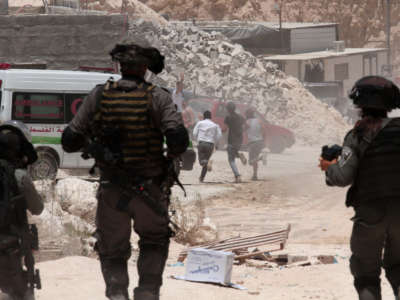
207, 134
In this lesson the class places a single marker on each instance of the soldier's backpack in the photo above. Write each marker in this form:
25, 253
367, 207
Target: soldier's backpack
8, 195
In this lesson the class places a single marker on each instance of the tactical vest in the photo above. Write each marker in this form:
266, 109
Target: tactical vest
377, 176
129, 112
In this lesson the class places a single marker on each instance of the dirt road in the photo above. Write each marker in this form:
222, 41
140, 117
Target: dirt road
291, 190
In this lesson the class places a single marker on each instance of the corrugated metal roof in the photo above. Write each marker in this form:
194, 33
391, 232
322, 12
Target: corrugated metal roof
323, 54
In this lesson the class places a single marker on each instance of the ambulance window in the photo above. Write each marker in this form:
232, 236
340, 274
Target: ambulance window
38, 108
72, 104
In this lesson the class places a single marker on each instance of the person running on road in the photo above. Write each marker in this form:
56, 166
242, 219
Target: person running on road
235, 123
207, 134
255, 140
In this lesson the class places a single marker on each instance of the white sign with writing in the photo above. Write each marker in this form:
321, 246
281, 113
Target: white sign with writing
209, 266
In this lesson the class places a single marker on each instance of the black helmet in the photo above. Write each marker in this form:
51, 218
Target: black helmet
16, 138
375, 92
137, 51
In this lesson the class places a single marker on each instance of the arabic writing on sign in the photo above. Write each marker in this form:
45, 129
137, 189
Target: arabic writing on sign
46, 130
56, 103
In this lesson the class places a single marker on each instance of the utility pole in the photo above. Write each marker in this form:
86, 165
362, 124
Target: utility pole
388, 28
278, 9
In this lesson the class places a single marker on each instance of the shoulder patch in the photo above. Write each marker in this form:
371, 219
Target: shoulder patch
347, 152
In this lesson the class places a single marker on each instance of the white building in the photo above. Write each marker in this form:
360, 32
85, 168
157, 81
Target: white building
345, 66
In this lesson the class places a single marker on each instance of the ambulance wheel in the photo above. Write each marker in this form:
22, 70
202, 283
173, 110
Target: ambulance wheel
45, 167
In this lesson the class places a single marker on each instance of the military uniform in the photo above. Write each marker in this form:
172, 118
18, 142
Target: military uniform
143, 114
13, 279
370, 163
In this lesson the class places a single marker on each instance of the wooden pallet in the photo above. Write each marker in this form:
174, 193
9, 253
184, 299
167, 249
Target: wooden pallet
239, 245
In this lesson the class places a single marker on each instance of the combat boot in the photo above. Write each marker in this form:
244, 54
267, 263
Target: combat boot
115, 273
151, 263
139, 294
369, 294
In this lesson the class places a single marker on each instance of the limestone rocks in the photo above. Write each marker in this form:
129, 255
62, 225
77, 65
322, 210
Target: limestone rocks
215, 67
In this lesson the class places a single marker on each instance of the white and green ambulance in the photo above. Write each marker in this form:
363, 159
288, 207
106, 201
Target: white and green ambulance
46, 101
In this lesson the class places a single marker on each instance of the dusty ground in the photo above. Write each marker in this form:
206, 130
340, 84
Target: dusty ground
291, 190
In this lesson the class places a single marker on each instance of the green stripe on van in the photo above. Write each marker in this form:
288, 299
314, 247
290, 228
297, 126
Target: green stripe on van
46, 140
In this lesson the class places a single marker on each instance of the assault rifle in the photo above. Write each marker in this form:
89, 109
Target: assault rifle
30, 242
104, 149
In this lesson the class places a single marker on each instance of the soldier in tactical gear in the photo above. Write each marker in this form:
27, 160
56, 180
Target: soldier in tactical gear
370, 163
129, 119
17, 195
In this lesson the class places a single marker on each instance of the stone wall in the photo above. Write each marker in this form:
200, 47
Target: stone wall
60, 41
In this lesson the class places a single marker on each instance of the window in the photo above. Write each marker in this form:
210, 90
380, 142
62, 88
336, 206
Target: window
341, 72
72, 104
45, 108
370, 66
38, 108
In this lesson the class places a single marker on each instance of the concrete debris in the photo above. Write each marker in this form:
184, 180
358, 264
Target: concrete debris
67, 222
194, 228
214, 66
289, 261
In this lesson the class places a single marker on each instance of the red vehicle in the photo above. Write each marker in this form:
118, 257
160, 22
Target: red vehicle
277, 138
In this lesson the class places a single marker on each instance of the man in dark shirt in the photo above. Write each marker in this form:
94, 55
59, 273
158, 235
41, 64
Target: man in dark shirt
235, 123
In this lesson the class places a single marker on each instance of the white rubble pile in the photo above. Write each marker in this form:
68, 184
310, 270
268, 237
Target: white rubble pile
194, 228
215, 67
67, 221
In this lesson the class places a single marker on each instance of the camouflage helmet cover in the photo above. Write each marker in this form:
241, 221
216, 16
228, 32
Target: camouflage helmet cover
137, 51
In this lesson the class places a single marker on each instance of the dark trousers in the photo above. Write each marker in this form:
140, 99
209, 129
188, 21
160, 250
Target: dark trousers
114, 229
233, 153
12, 278
205, 150
376, 230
